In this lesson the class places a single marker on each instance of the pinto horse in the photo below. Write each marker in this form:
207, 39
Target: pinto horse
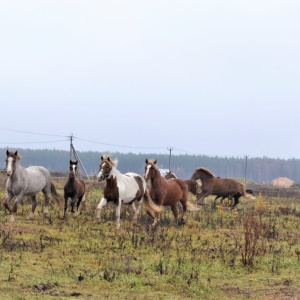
129, 188
27, 182
74, 189
220, 187
167, 192
194, 186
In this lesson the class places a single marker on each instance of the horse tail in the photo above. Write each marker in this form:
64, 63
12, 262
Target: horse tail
245, 194
150, 205
55, 195
191, 207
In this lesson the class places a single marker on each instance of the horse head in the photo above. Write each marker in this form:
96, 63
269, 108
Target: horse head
203, 174
11, 160
150, 169
73, 167
105, 168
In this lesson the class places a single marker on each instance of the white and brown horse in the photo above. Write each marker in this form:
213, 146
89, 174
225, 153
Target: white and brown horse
129, 188
165, 192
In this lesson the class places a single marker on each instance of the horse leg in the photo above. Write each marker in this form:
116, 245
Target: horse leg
102, 203
184, 210
156, 215
8, 197
15, 207
136, 210
66, 205
77, 205
175, 213
47, 201
73, 201
236, 201
33, 201
118, 213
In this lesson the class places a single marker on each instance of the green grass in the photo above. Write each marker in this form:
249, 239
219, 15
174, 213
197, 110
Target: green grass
250, 253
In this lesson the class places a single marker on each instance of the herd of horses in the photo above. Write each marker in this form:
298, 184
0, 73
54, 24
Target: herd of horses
130, 188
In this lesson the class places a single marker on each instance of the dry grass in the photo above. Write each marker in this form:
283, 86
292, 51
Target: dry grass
250, 253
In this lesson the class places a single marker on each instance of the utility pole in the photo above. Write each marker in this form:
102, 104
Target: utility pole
170, 150
246, 156
75, 155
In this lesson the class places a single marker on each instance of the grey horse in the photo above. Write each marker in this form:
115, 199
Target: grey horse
27, 182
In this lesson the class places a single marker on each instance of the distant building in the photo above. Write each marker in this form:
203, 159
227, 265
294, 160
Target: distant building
282, 182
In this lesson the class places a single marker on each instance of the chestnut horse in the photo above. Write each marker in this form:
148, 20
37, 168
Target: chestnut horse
167, 192
194, 186
74, 189
220, 187
129, 188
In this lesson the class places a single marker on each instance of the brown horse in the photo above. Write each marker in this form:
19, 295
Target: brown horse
74, 189
220, 187
194, 186
167, 192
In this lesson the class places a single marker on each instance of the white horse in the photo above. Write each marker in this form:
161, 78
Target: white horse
129, 188
27, 182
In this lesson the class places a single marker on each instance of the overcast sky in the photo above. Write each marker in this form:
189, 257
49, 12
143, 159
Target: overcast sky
203, 77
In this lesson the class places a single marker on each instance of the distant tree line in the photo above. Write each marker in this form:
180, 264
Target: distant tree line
259, 170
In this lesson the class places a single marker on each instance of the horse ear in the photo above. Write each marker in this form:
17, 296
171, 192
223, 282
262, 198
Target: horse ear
155, 162
7, 152
76, 162
108, 158
71, 162
101, 158
16, 153
146, 160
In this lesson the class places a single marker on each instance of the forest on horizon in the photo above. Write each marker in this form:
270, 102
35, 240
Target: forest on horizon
257, 170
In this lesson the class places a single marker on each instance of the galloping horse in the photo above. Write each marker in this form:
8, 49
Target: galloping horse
194, 186
167, 192
27, 182
220, 187
129, 188
74, 189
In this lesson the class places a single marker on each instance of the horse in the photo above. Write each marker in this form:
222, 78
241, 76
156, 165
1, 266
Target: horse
220, 187
167, 192
27, 182
74, 189
194, 186
129, 188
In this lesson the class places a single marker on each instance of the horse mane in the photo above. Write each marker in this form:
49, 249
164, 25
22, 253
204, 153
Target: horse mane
206, 171
107, 157
18, 156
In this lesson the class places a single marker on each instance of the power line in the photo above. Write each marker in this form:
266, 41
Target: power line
30, 132
121, 146
24, 143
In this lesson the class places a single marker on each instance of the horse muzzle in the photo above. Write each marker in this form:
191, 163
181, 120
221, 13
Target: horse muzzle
8, 173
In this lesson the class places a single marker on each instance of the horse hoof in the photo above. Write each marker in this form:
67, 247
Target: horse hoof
12, 218
46, 211
30, 217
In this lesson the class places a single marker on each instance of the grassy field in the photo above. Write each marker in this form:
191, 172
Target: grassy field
252, 252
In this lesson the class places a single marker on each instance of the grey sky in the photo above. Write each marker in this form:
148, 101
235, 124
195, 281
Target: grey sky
204, 77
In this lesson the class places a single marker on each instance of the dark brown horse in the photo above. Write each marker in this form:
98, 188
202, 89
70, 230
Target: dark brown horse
74, 189
194, 186
167, 192
220, 187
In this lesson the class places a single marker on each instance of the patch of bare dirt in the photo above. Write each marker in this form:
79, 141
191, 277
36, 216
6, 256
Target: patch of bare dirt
18, 228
